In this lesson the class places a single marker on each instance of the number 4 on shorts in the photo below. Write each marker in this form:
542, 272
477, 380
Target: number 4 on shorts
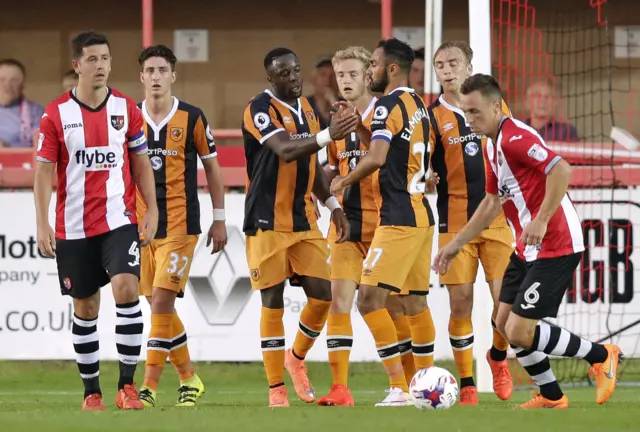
135, 252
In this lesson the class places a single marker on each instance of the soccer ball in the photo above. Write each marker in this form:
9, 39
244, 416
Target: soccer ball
433, 388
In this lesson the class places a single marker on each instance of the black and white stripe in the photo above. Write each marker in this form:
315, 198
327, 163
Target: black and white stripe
404, 346
339, 343
536, 364
272, 343
179, 341
557, 341
461, 343
129, 327
422, 350
308, 332
388, 352
87, 347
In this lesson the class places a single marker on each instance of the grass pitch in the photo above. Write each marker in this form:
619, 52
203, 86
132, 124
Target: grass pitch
46, 396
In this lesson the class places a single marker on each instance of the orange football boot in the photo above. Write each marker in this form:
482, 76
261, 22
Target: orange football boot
93, 402
278, 397
606, 373
502, 381
339, 395
298, 372
128, 398
468, 395
540, 401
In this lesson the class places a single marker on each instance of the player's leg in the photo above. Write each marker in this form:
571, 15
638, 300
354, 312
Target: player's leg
267, 259
385, 270
540, 297
495, 251
121, 259
81, 276
403, 331
459, 280
346, 268
309, 261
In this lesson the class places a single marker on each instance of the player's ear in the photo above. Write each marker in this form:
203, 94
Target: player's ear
142, 77
470, 69
75, 65
173, 77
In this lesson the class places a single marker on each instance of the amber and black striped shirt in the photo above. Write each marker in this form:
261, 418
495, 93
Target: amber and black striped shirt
174, 146
278, 193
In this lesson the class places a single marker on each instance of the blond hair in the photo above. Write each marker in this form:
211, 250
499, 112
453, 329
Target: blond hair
461, 45
352, 53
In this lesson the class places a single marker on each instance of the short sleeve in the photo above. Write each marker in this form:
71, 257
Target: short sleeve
332, 155
530, 151
491, 183
260, 119
386, 121
136, 140
48, 141
203, 138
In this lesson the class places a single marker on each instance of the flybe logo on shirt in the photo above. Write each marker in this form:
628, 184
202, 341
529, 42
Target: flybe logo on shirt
96, 159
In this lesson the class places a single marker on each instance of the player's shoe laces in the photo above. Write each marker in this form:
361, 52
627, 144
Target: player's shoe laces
339, 395
298, 372
469, 395
93, 402
540, 401
148, 397
606, 373
190, 390
396, 397
502, 381
128, 398
278, 397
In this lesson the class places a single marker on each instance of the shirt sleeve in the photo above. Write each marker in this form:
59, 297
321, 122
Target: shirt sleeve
530, 151
136, 140
260, 120
48, 141
203, 138
387, 119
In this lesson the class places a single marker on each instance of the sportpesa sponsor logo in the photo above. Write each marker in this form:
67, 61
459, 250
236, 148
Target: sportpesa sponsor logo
163, 152
469, 137
351, 153
297, 136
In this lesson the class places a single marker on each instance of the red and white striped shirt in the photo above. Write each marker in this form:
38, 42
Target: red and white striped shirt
517, 171
95, 190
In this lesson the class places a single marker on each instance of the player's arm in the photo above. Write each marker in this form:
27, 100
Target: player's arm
47, 157
206, 148
261, 121
331, 169
142, 174
321, 190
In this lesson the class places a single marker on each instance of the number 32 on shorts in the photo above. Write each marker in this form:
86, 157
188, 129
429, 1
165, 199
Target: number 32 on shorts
177, 264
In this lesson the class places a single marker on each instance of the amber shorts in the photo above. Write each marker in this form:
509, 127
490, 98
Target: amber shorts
274, 257
347, 258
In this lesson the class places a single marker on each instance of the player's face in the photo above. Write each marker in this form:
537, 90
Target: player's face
451, 69
416, 76
94, 66
157, 76
351, 79
377, 72
284, 75
482, 113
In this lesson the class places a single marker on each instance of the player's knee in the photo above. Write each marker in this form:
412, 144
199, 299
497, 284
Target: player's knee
273, 297
87, 308
461, 300
317, 288
413, 305
368, 301
163, 301
518, 332
341, 302
125, 288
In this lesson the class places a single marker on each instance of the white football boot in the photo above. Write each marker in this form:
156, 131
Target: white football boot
396, 397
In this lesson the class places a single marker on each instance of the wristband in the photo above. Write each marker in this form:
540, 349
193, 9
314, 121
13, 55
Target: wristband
218, 215
323, 138
332, 203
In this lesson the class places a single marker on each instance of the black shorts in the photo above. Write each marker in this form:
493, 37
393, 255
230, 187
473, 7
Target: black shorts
535, 289
86, 265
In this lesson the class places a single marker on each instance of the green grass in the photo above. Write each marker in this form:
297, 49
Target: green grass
46, 396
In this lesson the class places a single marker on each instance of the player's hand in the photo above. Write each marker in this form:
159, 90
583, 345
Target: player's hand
444, 258
342, 225
533, 233
336, 185
47, 241
148, 227
315, 201
217, 234
432, 182
343, 123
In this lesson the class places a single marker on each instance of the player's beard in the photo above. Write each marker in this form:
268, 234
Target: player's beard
381, 85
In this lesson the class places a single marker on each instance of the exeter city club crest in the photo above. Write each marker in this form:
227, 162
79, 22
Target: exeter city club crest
117, 121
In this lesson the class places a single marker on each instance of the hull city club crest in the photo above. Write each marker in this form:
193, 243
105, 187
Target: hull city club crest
117, 121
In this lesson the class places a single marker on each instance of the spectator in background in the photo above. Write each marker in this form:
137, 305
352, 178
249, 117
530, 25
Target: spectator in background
19, 117
69, 80
416, 75
542, 103
325, 90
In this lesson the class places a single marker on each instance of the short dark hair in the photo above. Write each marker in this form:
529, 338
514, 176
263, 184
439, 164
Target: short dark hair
87, 39
418, 54
399, 52
274, 54
485, 84
16, 63
158, 51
